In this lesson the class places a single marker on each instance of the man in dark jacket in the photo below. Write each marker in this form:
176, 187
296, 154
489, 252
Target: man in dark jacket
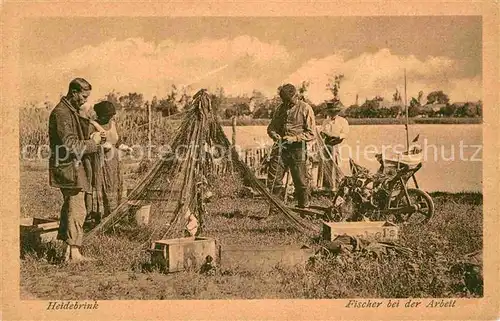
69, 144
292, 127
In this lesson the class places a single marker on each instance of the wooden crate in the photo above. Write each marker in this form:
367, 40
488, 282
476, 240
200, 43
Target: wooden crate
264, 257
371, 231
36, 231
190, 253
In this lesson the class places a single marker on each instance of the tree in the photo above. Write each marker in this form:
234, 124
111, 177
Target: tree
154, 104
420, 96
437, 97
334, 85
369, 109
352, 111
256, 101
479, 108
167, 107
261, 111
266, 108
172, 95
113, 97
414, 102
303, 87
258, 96
466, 110
185, 101
384, 113
229, 113
413, 111
396, 97
395, 111
218, 99
448, 110
242, 109
132, 101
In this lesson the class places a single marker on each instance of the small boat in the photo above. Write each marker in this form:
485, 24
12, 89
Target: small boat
410, 159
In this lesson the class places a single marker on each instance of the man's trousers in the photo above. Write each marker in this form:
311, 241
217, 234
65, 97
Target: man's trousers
293, 159
72, 217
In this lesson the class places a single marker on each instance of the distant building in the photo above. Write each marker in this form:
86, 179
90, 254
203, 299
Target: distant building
236, 106
386, 103
431, 108
231, 102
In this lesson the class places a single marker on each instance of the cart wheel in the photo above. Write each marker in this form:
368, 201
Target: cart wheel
424, 200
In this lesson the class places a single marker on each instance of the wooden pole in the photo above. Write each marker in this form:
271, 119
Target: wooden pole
233, 142
406, 124
150, 124
286, 186
408, 134
233, 124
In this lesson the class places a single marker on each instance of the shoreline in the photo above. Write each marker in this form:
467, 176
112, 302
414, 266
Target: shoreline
27, 166
370, 121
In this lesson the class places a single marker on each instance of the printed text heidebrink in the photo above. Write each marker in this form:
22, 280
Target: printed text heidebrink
72, 305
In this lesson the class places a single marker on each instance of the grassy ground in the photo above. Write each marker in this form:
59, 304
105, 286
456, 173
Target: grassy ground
238, 223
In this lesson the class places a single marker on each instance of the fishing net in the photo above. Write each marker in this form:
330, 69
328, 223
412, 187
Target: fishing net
175, 186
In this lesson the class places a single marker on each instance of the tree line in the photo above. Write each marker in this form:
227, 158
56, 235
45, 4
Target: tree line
257, 105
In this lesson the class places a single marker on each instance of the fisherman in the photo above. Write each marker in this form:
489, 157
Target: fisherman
291, 128
107, 180
68, 171
333, 131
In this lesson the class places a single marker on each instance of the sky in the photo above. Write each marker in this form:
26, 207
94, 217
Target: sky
242, 54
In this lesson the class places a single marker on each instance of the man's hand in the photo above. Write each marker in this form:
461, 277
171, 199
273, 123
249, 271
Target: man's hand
276, 137
333, 140
96, 137
290, 139
107, 146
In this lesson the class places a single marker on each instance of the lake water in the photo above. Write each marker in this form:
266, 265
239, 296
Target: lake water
452, 153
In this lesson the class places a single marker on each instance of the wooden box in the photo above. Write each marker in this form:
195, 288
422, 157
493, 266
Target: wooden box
371, 231
264, 257
180, 254
35, 231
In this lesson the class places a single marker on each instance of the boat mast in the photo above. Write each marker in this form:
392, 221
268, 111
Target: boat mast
406, 124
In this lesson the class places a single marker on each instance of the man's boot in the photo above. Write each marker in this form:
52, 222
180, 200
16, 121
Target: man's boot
302, 198
278, 193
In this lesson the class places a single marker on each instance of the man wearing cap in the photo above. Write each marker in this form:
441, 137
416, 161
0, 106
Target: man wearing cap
333, 131
291, 128
70, 145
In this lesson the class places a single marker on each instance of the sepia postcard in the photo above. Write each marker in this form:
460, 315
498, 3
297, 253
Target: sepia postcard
255, 160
